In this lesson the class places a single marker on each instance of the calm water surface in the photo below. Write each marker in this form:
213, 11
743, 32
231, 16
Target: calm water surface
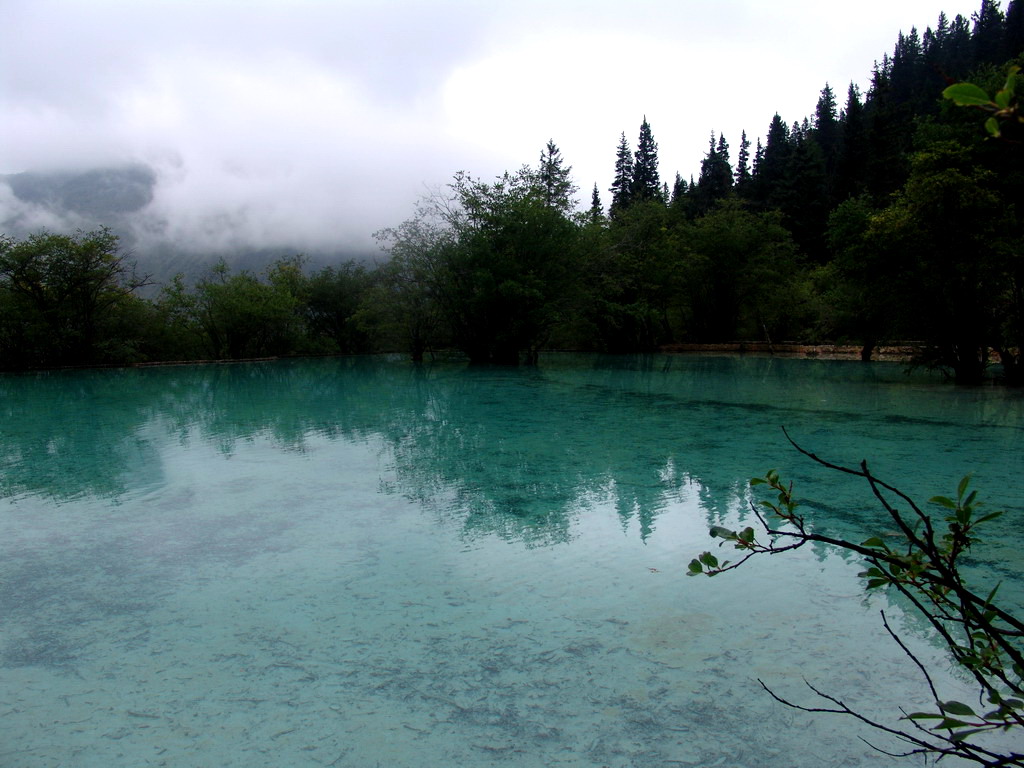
358, 562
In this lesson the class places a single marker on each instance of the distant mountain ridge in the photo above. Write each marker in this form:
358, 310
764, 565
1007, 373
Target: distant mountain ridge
117, 197
99, 193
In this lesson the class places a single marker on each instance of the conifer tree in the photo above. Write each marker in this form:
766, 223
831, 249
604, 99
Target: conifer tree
715, 180
772, 167
826, 124
646, 184
622, 183
678, 187
742, 173
987, 36
1013, 38
850, 179
555, 180
755, 165
958, 53
596, 213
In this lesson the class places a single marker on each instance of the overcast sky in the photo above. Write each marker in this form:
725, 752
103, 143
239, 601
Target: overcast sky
312, 123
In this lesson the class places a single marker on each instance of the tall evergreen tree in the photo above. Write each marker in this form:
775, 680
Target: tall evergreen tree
678, 188
715, 180
889, 134
850, 179
771, 170
596, 213
622, 183
826, 124
742, 172
804, 197
1013, 38
987, 36
555, 180
646, 184
958, 56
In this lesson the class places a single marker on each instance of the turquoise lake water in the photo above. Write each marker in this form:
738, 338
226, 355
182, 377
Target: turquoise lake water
360, 562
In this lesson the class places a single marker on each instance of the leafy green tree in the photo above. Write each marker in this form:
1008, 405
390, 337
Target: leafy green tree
863, 287
334, 297
405, 301
63, 299
510, 272
244, 317
944, 228
635, 280
181, 335
495, 263
736, 260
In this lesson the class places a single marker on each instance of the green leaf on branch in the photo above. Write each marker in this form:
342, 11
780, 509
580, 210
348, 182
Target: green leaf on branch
718, 532
709, 560
695, 568
956, 708
966, 95
961, 489
992, 126
945, 501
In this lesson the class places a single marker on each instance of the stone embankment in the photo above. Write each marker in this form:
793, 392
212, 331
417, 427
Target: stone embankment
887, 352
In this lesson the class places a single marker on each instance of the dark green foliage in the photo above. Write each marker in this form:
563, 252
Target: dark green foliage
554, 179
826, 129
772, 165
896, 218
715, 182
66, 300
333, 298
596, 213
243, 317
850, 177
632, 280
742, 177
622, 183
1013, 38
736, 262
947, 209
645, 184
490, 269
987, 36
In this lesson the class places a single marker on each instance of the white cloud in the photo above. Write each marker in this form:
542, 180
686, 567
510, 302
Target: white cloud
312, 123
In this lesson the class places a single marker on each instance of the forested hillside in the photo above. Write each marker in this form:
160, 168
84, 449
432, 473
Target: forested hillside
887, 215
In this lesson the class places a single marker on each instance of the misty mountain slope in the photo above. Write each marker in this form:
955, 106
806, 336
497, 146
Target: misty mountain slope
120, 197
99, 193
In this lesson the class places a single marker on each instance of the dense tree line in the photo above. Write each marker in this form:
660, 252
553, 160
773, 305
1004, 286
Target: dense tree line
893, 216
